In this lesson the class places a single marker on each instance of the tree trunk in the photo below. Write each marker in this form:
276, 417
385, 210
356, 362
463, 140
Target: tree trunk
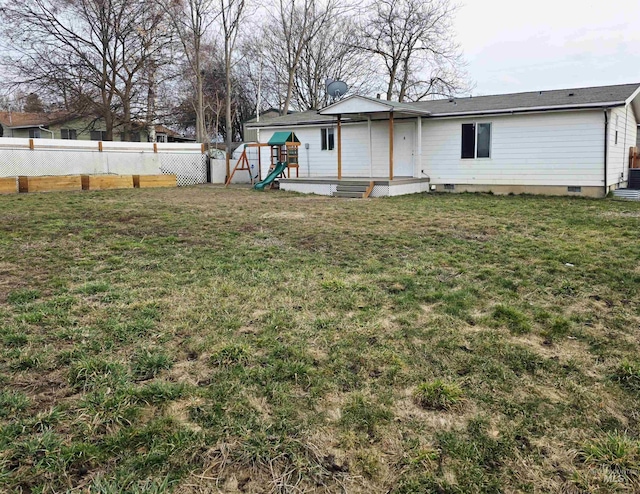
151, 105
108, 122
287, 101
405, 78
200, 127
126, 117
392, 79
228, 123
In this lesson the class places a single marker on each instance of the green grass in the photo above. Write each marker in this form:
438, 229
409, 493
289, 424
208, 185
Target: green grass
437, 395
616, 455
203, 340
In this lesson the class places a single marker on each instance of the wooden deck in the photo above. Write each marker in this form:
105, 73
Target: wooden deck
346, 180
332, 186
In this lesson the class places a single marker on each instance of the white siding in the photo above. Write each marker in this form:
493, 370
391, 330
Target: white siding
623, 121
355, 149
314, 162
380, 145
535, 149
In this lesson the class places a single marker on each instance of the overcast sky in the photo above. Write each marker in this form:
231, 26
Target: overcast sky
514, 46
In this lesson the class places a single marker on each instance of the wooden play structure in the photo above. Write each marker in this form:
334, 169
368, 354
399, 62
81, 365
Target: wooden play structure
284, 149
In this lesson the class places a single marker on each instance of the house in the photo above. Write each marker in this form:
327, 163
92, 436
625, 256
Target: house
250, 133
63, 125
559, 142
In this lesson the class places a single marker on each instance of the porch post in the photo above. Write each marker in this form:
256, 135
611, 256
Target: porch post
391, 145
417, 169
370, 148
339, 148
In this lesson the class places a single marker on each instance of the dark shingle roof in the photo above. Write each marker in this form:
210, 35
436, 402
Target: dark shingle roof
534, 99
542, 100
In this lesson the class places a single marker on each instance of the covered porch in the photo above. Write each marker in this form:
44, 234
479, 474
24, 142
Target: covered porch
381, 155
404, 133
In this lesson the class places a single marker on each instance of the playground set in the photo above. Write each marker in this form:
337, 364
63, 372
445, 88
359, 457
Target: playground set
284, 156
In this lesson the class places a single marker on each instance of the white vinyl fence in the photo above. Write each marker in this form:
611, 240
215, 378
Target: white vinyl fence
67, 157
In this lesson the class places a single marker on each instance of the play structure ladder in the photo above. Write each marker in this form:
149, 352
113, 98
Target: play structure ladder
242, 164
355, 189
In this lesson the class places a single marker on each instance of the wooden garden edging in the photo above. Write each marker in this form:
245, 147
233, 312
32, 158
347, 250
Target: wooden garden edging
144, 181
104, 182
53, 183
8, 185
49, 183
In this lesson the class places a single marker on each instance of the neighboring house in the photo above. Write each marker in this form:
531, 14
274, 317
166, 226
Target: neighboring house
165, 134
569, 141
62, 125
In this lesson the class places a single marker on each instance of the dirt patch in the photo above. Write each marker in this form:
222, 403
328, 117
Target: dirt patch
191, 372
179, 411
45, 392
407, 409
620, 214
284, 215
563, 351
11, 278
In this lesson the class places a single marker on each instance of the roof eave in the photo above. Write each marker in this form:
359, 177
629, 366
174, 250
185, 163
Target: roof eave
388, 107
260, 125
322, 111
30, 126
585, 106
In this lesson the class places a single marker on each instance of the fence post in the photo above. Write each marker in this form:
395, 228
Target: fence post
23, 184
31, 144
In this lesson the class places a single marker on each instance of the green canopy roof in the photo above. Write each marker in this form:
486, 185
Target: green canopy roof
281, 138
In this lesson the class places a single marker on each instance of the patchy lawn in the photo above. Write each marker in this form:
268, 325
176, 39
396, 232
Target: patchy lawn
202, 339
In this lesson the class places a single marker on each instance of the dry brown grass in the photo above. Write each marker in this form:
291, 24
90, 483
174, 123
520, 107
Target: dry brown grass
280, 339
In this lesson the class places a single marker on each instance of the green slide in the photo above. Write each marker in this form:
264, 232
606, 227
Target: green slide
272, 176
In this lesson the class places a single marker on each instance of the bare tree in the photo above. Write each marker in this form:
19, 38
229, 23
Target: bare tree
331, 53
257, 76
295, 26
77, 49
192, 20
91, 54
414, 41
231, 15
143, 37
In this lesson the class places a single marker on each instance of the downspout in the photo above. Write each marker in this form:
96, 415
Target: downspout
47, 130
606, 149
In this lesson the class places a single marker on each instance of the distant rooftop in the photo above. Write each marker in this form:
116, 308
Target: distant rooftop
22, 119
